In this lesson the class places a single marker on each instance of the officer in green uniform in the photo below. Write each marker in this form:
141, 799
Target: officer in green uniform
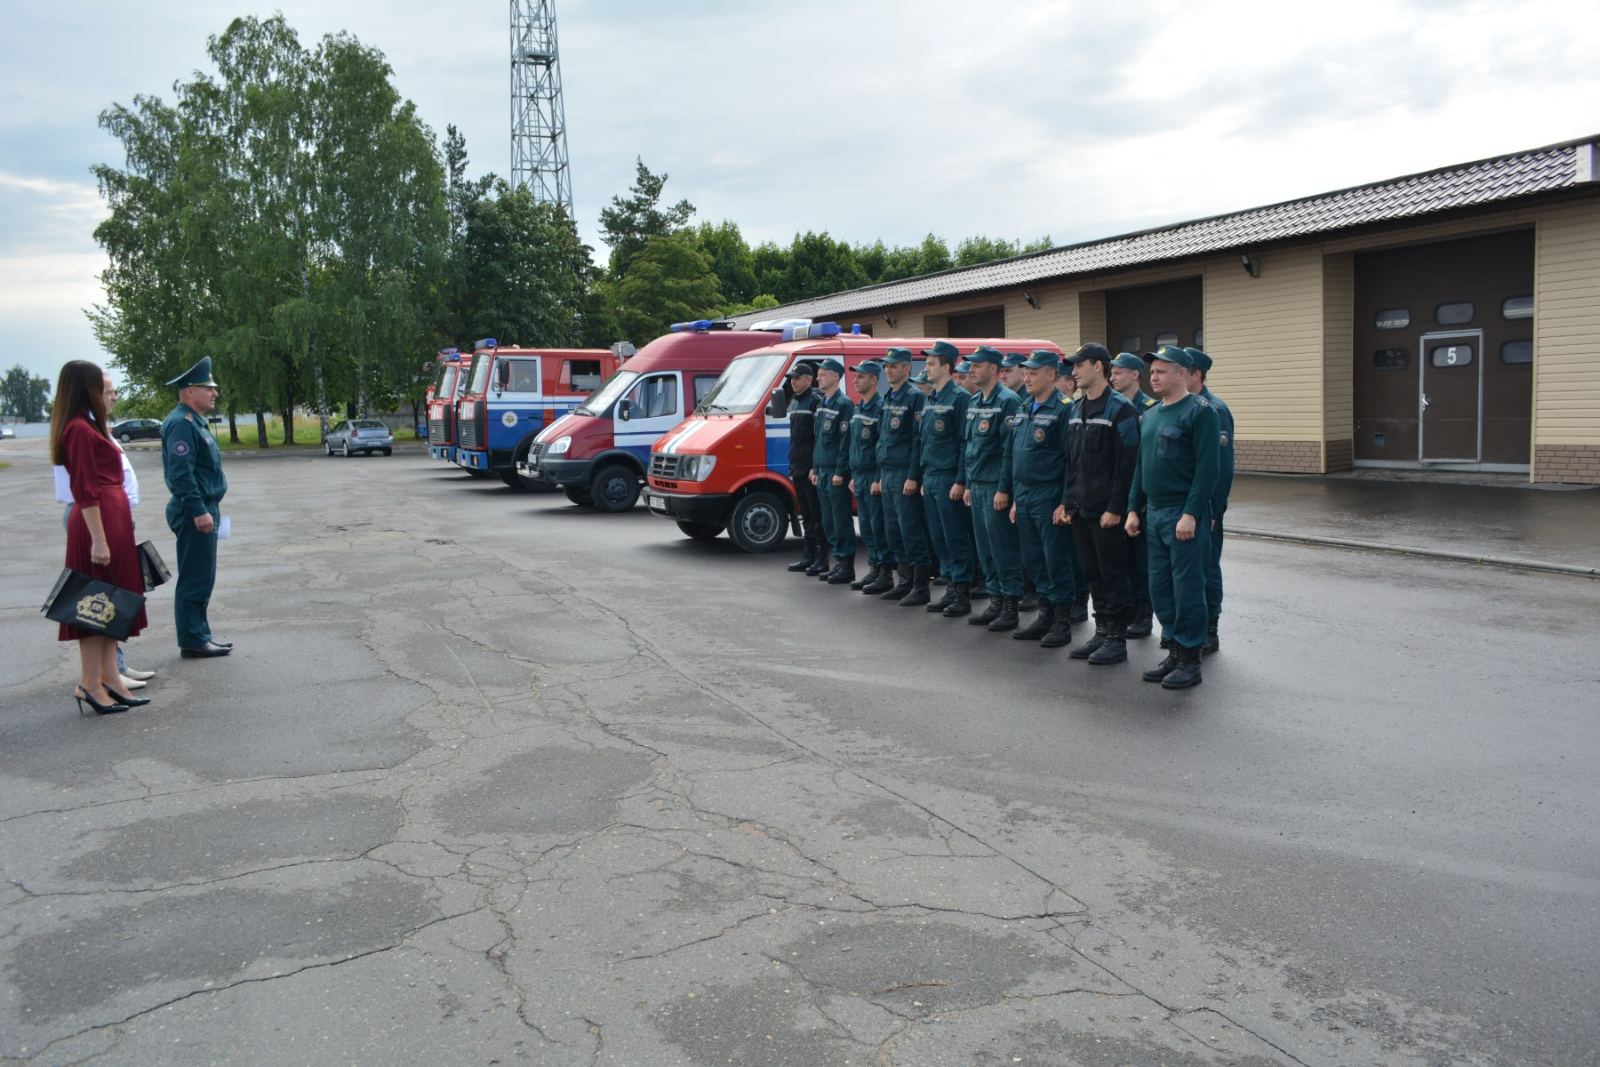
999, 553
1179, 455
1011, 378
1219, 499
1032, 475
944, 419
861, 474
899, 441
192, 463
829, 458
1126, 370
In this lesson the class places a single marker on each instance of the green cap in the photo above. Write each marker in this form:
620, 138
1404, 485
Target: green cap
831, 364
943, 349
897, 355
1042, 357
868, 366
1128, 361
1012, 359
1201, 361
920, 378
1173, 354
199, 374
964, 367
986, 354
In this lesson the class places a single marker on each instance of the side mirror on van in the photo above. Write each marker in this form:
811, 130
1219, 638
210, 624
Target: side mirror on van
624, 409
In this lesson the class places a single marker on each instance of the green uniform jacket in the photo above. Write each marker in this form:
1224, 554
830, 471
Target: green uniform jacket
192, 462
1036, 447
1219, 498
1179, 455
988, 418
863, 453
899, 438
944, 419
832, 450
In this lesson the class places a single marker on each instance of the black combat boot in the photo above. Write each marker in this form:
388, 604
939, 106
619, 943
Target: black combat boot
1187, 674
1114, 649
804, 562
821, 565
1007, 619
1061, 631
919, 594
1091, 646
962, 604
990, 613
1041, 625
868, 578
1166, 666
980, 587
1029, 600
882, 583
1213, 643
1142, 624
844, 571
1080, 607
903, 586
948, 598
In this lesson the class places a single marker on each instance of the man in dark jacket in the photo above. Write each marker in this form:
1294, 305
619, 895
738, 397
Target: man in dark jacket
862, 475
899, 444
944, 420
830, 464
1102, 451
798, 400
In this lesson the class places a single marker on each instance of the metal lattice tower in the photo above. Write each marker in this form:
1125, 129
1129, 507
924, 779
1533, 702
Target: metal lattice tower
538, 117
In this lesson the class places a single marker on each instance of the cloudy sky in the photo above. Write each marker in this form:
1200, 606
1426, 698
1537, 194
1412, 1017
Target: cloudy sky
867, 118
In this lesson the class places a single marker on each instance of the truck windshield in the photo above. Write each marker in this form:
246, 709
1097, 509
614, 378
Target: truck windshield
744, 385
480, 373
447, 382
608, 393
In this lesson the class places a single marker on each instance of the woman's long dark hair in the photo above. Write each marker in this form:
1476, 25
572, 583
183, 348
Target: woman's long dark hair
81, 388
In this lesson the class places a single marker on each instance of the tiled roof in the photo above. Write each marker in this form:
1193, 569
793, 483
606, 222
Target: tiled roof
1487, 181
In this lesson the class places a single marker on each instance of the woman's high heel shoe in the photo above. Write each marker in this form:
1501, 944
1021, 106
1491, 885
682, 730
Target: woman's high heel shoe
82, 696
123, 698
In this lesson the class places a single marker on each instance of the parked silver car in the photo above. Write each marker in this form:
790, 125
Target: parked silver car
359, 435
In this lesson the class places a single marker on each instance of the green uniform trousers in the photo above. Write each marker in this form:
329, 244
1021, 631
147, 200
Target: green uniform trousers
837, 523
949, 525
197, 576
999, 551
1178, 575
874, 524
1048, 551
1214, 567
902, 520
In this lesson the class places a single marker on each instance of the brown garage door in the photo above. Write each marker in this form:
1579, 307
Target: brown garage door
1444, 351
1142, 318
991, 322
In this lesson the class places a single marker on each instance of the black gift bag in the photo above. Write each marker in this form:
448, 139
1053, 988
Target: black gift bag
87, 603
153, 566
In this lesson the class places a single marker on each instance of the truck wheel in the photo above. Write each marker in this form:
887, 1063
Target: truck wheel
701, 531
759, 523
614, 488
578, 495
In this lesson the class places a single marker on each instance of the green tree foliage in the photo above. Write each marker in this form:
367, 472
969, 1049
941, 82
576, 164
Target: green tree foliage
630, 222
527, 273
287, 216
670, 280
23, 396
819, 264
731, 259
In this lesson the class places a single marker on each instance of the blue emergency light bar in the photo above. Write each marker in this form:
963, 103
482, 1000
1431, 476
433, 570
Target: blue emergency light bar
446, 353
697, 326
855, 329
817, 329
487, 342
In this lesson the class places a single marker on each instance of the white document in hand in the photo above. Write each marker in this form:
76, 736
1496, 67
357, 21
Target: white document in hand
225, 526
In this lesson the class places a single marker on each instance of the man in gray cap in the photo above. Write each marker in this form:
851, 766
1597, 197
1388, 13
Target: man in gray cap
1179, 455
192, 464
1219, 499
830, 458
899, 442
1126, 370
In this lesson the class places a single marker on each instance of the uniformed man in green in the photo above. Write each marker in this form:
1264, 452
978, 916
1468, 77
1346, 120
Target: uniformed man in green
1179, 454
1219, 498
1035, 467
862, 473
192, 463
1126, 370
999, 555
830, 460
944, 420
1011, 378
899, 438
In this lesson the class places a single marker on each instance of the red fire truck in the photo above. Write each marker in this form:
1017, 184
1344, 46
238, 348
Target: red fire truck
726, 466
599, 452
440, 402
513, 393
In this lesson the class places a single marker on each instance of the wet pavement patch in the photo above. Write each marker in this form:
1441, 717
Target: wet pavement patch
548, 791
759, 1022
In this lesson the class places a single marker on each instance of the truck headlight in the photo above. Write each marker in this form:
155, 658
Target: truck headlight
559, 446
696, 468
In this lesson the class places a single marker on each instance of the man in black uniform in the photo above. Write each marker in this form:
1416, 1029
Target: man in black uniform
799, 401
1102, 451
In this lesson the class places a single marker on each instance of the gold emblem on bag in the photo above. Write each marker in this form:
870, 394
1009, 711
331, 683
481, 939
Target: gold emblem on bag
97, 609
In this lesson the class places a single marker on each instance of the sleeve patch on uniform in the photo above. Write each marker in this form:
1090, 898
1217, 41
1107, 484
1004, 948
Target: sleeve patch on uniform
181, 448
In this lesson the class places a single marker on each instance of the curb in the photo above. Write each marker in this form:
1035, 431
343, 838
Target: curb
1508, 562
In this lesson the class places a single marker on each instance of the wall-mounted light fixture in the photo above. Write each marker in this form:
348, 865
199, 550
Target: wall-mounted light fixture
889, 319
1251, 266
1032, 300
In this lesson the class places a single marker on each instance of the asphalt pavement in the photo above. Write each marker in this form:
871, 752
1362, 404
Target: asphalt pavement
492, 778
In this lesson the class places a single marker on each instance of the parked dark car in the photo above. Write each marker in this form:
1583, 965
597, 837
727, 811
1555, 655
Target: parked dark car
135, 429
359, 435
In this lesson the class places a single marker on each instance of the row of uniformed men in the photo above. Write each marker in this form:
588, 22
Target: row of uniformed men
1077, 479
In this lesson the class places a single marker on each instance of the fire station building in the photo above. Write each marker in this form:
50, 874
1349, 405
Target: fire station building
1444, 320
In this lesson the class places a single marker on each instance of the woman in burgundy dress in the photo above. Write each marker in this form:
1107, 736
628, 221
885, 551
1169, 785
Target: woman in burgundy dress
100, 527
